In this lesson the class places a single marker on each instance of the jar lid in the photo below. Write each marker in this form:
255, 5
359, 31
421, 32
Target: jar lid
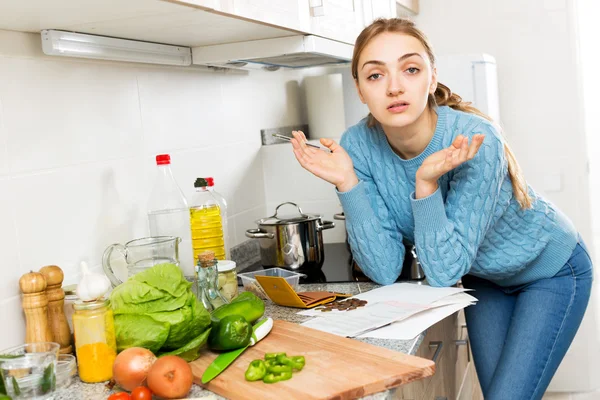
91, 305
225, 265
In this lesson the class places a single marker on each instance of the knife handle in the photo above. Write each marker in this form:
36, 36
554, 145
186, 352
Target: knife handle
260, 330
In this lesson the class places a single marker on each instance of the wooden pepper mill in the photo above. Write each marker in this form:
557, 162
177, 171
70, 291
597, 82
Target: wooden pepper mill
35, 306
56, 307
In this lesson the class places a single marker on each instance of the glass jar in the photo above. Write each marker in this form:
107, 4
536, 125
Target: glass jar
228, 285
95, 342
208, 279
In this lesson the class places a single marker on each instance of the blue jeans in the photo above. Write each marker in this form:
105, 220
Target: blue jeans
519, 335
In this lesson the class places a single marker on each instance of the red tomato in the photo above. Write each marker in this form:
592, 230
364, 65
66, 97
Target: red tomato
119, 396
141, 393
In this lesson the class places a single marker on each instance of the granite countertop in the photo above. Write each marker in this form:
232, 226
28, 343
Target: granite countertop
79, 390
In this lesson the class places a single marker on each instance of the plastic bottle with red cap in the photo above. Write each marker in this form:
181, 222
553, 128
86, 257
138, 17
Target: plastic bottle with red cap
168, 212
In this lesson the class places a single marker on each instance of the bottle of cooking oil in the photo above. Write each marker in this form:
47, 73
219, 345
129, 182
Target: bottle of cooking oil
206, 222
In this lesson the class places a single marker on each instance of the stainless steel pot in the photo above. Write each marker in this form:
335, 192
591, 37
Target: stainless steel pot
292, 242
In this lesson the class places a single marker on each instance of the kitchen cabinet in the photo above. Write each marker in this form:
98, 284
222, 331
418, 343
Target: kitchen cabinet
407, 7
446, 343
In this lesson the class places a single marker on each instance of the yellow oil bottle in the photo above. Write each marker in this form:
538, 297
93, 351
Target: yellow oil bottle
206, 222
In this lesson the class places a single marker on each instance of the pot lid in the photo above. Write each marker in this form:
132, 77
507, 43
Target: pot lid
277, 219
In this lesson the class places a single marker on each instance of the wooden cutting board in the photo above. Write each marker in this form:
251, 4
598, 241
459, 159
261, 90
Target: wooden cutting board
336, 367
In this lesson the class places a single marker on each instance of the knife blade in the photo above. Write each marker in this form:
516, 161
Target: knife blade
223, 360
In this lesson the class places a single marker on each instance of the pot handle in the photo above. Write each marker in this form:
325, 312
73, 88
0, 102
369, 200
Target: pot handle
258, 234
290, 203
339, 216
325, 225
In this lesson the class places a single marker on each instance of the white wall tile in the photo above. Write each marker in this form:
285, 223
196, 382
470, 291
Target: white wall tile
3, 153
70, 215
11, 314
180, 109
246, 220
9, 268
61, 113
286, 180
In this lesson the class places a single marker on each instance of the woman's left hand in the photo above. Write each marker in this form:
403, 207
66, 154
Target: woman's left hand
445, 160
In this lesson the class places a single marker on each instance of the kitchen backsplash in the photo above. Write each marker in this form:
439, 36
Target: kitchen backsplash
77, 146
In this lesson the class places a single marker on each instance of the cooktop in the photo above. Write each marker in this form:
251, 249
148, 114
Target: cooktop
337, 267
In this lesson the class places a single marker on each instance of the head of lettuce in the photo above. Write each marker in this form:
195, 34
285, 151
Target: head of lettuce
157, 310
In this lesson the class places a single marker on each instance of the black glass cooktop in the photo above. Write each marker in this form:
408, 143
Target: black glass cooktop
337, 267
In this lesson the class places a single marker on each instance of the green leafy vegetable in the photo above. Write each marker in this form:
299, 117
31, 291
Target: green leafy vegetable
16, 388
49, 379
157, 310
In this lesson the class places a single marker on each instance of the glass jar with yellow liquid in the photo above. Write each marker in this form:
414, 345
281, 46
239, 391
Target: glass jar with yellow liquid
95, 341
206, 221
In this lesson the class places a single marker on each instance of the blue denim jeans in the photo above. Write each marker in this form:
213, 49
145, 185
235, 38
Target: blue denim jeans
519, 335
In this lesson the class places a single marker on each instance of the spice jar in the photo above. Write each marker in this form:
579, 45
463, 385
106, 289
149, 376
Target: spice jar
95, 343
228, 285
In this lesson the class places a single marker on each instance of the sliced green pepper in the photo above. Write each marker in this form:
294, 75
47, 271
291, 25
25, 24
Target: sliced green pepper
272, 356
279, 368
273, 377
297, 362
256, 371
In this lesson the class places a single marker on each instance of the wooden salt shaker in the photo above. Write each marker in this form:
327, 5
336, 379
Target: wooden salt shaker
35, 306
56, 307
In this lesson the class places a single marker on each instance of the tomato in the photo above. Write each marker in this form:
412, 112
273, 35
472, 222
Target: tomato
119, 396
141, 393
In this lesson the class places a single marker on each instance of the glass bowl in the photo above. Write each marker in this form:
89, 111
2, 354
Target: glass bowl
28, 371
66, 369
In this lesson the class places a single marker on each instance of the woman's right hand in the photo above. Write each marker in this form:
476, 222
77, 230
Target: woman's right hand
335, 167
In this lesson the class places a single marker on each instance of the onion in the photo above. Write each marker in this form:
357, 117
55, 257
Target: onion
170, 377
131, 367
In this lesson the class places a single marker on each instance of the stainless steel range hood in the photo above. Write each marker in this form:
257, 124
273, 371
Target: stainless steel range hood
271, 54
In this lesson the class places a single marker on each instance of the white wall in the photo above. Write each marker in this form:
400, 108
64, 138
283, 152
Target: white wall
536, 48
77, 146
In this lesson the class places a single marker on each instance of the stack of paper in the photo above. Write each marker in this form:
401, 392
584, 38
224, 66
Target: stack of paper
400, 311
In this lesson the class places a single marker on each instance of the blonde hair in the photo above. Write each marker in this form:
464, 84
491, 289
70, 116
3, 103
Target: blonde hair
442, 96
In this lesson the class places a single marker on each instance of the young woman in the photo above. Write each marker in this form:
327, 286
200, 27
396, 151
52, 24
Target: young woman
427, 167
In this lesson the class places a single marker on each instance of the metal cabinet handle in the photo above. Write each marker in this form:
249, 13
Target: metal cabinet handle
464, 342
438, 346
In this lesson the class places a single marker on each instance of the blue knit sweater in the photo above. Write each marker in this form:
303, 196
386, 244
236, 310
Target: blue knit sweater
471, 225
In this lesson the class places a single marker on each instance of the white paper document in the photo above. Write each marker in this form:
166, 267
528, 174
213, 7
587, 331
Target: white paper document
400, 311
414, 325
364, 319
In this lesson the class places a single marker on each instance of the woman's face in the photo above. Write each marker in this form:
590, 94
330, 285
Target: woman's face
395, 78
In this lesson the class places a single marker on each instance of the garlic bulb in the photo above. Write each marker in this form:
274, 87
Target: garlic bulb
92, 285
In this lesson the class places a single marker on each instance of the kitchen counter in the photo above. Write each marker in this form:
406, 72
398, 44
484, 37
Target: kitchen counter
79, 390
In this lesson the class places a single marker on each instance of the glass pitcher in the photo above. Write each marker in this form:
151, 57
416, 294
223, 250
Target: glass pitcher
141, 254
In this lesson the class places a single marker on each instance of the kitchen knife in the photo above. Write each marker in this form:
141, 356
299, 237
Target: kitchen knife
223, 360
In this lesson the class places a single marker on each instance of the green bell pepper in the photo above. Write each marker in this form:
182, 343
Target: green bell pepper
247, 304
273, 377
256, 371
230, 333
295, 362
273, 356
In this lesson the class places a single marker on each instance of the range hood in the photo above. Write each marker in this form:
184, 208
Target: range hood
300, 51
